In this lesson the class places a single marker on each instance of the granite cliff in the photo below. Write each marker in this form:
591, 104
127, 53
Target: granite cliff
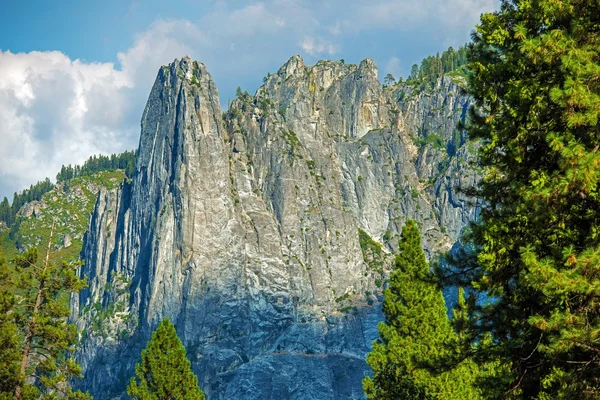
264, 232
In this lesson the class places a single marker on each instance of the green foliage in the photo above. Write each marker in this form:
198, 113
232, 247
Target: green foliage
414, 73
432, 139
8, 212
367, 244
370, 248
373, 255
416, 335
10, 356
282, 110
5, 212
389, 80
536, 82
164, 372
124, 161
414, 193
34, 321
293, 142
70, 206
265, 104
387, 236
433, 67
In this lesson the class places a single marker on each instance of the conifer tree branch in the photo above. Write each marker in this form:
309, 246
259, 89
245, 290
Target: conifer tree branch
32, 323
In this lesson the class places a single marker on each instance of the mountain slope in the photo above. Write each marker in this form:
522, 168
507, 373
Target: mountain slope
264, 232
69, 206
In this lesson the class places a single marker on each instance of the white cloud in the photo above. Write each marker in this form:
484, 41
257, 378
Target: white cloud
54, 110
318, 46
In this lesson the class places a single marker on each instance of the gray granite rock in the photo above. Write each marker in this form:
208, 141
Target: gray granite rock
243, 227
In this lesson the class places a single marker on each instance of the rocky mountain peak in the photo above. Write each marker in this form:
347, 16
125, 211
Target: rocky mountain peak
367, 67
292, 66
265, 234
185, 70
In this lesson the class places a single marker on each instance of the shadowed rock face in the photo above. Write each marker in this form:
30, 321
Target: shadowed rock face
243, 227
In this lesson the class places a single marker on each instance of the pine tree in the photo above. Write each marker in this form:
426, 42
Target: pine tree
389, 80
34, 316
416, 334
536, 83
414, 73
5, 212
9, 338
164, 372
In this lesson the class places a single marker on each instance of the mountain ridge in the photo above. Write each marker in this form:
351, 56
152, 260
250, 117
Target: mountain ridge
246, 231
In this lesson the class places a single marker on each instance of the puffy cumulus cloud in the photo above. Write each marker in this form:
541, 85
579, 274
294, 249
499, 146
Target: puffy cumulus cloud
55, 110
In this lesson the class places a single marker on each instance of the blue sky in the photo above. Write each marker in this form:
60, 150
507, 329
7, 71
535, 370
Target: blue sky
74, 75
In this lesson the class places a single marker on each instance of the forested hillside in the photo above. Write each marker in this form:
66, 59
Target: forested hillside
124, 161
67, 205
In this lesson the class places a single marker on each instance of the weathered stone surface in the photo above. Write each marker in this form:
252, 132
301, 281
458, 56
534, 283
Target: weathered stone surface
67, 240
243, 227
32, 209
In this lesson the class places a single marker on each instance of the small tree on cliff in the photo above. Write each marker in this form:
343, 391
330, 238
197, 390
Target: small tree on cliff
389, 80
165, 372
416, 335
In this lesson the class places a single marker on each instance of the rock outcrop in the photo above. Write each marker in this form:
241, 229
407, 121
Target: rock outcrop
254, 229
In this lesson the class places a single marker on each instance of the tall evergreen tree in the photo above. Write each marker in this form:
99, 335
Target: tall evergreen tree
414, 72
416, 334
5, 212
164, 372
389, 80
34, 318
536, 83
9, 338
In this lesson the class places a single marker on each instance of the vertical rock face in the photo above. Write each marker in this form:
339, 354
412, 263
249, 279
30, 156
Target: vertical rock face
264, 232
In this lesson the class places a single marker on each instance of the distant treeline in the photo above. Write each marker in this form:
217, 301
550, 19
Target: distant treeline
35, 192
433, 67
124, 161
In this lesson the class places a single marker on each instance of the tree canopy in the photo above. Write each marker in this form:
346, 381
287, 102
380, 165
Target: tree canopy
433, 67
535, 252
124, 161
416, 334
36, 339
164, 372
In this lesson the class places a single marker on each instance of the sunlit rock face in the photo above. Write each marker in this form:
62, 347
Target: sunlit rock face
244, 227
